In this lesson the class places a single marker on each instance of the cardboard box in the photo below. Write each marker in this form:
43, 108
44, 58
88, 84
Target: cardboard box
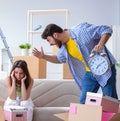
2, 103
2, 111
108, 103
15, 113
66, 72
37, 67
82, 112
63, 116
1, 114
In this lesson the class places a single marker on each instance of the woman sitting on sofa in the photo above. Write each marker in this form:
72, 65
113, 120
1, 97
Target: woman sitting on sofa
19, 84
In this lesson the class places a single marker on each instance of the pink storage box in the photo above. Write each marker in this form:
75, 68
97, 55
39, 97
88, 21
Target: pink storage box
108, 103
106, 116
15, 114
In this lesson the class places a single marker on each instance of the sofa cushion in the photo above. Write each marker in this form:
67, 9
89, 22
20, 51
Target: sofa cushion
3, 90
55, 93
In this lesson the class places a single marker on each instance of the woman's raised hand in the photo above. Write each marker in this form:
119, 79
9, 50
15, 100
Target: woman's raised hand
13, 76
23, 79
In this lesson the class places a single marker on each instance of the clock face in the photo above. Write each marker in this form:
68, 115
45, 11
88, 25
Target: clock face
99, 65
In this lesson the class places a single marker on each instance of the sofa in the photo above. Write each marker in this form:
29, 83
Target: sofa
49, 97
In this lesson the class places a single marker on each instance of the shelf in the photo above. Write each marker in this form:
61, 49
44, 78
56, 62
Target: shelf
35, 32
44, 17
47, 11
32, 14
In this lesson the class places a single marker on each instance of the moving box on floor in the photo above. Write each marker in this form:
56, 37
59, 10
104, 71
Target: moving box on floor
108, 104
15, 113
83, 112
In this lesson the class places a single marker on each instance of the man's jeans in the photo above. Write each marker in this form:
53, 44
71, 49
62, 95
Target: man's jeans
90, 84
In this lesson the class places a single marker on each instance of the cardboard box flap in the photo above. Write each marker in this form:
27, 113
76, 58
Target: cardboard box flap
111, 99
63, 116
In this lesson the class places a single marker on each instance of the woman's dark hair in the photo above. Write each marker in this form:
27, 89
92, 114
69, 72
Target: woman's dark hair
50, 30
23, 65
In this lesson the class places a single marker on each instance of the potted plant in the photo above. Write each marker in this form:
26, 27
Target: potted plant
25, 48
118, 65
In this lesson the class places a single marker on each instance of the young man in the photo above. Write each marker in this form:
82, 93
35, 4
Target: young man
75, 46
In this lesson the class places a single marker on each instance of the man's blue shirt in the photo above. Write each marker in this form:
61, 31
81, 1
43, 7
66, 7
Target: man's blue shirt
86, 36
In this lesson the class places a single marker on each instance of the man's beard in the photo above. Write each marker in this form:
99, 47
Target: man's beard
58, 43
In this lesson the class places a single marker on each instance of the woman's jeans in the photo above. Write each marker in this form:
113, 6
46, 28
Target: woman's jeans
90, 84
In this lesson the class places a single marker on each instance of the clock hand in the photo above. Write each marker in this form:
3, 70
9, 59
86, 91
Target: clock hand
100, 64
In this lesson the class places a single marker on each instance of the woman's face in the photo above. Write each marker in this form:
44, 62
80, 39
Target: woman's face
19, 74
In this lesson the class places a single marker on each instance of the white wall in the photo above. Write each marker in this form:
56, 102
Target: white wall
13, 14
113, 45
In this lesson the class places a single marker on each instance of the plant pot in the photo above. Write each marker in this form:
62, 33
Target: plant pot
24, 52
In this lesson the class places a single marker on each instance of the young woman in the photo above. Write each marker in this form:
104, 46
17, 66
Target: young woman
19, 84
